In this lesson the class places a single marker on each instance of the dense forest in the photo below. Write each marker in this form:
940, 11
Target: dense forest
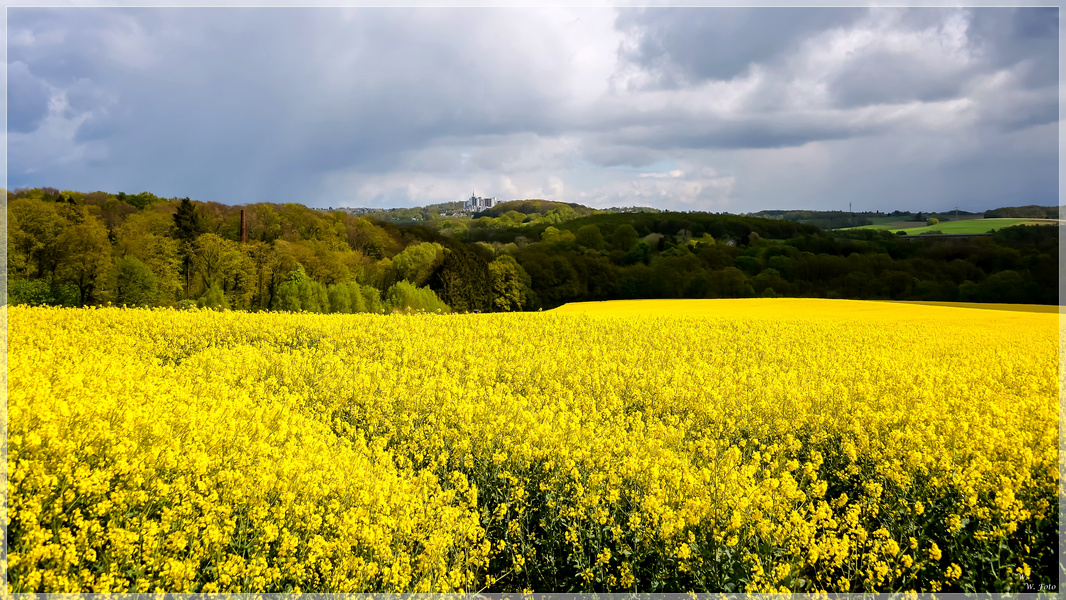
76, 249
1024, 212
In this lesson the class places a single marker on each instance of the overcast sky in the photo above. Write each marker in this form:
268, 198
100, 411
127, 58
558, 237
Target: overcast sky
716, 109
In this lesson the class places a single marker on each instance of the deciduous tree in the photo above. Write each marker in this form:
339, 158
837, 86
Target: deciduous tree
416, 262
85, 260
135, 284
590, 237
510, 284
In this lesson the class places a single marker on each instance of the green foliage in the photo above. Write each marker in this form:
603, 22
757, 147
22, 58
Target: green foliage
34, 292
1024, 212
555, 280
1003, 287
33, 228
729, 283
828, 219
323, 263
288, 295
351, 297
368, 238
85, 260
405, 297
541, 207
599, 277
218, 261
549, 236
262, 223
590, 237
624, 237
770, 280
76, 248
461, 280
136, 285
968, 291
748, 264
641, 253
512, 218
139, 201
372, 302
301, 293
415, 264
213, 299
720, 226
189, 223
146, 237
510, 284
41, 292
340, 298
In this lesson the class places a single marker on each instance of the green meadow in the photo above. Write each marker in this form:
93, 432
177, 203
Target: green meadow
960, 227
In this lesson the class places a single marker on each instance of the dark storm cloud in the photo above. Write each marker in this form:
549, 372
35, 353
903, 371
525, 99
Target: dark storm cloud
689, 45
1008, 36
880, 77
752, 133
27, 98
201, 91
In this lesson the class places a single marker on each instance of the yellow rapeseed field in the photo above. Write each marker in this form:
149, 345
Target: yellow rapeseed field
758, 445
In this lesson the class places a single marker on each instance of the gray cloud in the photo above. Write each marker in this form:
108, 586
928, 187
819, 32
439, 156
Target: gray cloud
608, 153
1008, 36
687, 45
415, 106
27, 98
947, 51
753, 132
879, 77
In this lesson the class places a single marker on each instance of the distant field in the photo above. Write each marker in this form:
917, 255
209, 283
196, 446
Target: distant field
887, 223
811, 308
1036, 308
960, 226
896, 222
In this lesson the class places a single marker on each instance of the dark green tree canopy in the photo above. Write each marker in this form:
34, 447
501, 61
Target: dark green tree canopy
188, 222
462, 280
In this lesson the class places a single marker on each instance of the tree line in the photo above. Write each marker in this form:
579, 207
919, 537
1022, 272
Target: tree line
78, 249
1024, 212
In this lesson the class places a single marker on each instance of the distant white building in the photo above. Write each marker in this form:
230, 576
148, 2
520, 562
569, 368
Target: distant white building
476, 203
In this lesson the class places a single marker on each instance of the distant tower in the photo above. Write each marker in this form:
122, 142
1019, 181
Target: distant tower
476, 203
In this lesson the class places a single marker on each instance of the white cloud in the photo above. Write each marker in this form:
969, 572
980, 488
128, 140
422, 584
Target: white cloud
674, 173
53, 142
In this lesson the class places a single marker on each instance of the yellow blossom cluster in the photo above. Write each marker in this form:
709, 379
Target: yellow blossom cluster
759, 445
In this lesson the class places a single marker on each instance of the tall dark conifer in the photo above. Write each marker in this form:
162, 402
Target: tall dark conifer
188, 225
188, 222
